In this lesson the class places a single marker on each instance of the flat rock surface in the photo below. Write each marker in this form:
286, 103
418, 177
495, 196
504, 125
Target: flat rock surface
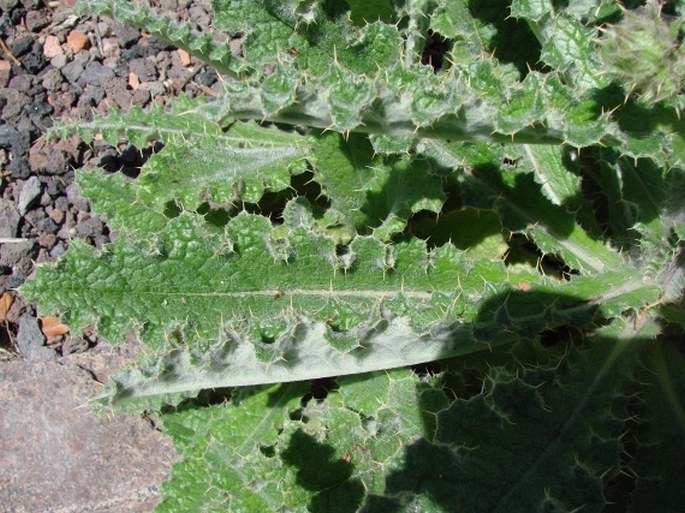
57, 456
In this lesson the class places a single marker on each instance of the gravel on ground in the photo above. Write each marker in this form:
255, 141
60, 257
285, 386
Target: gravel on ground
56, 455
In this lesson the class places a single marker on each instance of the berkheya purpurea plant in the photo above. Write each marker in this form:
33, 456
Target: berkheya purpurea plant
419, 255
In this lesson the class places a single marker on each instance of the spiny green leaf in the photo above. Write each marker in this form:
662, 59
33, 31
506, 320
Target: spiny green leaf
516, 196
241, 164
117, 200
567, 45
542, 441
257, 456
178, 121
226, 463
372, 193
213, 317
557, 183
644, 53
658, 464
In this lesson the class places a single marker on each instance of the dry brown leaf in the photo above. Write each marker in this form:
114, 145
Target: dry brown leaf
6, 301
53, 327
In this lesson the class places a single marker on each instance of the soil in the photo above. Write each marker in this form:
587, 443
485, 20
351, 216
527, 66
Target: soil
56, 455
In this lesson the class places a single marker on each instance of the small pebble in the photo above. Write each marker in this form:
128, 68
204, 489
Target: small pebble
140, 98
30, 341
21, 83
15, 102
49, 227
58, 61
51, 47
55, 214
127, 35
77, 41
47, 240
75, 198
96, 74
144, 68
72, 71
133, 81
52, 80
36, 20
185, 57
21, 45
30, 191
9, 219
59, 250
154, 88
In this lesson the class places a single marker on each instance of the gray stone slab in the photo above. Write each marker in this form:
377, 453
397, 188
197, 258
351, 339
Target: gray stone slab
57, 456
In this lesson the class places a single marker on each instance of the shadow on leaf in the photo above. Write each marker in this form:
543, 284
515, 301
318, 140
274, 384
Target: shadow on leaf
317, 471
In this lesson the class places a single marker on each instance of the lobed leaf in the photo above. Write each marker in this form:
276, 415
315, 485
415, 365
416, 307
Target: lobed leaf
384, 184
365, 447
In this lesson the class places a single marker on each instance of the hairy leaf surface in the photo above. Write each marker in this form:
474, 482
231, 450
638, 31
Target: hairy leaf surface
479, 190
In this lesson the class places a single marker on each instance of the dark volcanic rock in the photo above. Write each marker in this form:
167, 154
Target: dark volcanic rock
21, 45
97, 74
21, 83
36, 19
126, 34
52, 79
14, 102
72, 70
144, 68
34, 61
29, 192
31, 342
9, 220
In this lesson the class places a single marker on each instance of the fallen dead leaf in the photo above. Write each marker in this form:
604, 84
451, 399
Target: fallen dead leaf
6, 301
53, 327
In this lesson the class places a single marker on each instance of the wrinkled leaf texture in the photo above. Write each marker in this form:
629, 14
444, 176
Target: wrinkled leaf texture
396, 184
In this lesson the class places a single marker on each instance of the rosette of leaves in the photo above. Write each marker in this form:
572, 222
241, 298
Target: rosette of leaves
415, 256
644, 52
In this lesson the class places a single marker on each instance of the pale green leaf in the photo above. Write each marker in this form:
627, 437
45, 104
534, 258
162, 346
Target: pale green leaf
225, 462
178, 121
556, 182
241, 164
368, 191
213, 318
255, 455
